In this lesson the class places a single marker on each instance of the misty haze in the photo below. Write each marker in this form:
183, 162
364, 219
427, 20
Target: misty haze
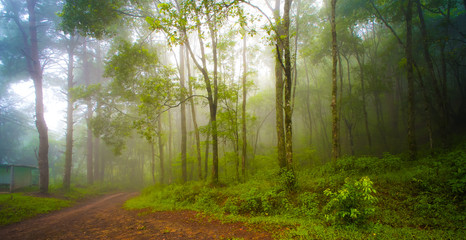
232, 119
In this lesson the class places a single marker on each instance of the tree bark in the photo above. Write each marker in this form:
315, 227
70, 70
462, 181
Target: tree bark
213, 111
35, 71
444, 101
308, 103
363, 96
426, 110
206, 162
196, 127
410, 76
161, 157
97, 159
69, 116
170, 142
288, 87
97, 150
89, 161
335, 120
212, 91
430, 66
243, 110
279, 84
184, 175
152, 163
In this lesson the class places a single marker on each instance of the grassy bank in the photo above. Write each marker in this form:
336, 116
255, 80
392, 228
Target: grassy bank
356, 198
15, 207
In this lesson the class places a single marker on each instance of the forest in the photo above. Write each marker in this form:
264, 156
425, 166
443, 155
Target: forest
303, 119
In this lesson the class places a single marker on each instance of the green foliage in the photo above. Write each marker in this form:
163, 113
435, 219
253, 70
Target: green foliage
369, 165
308, 204
402, 207
287, 179
90, 17
353, 204
16, 207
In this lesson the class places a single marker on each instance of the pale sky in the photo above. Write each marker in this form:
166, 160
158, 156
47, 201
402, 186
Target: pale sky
55, 105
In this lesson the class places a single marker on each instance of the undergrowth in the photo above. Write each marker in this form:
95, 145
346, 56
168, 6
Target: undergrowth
356, 198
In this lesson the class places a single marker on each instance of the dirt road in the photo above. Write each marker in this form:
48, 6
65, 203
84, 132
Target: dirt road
104, 218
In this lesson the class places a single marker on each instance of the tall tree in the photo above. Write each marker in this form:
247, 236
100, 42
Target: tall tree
89, 112
35, 67
161, 154
243, 110
430, 67
335, 120
279, 85
288, 85
71, 44
194, 118
184, 175
410, 76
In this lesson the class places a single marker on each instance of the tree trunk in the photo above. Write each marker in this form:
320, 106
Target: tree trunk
206, 162
340, 98
363, 96
97, 159
430, 66
170, 142
161, 157
212, 91
444, 95
213, 108
335, 120
288, 88
410, 76
426, 110
69, 116
279, 84
308, 103
184, 175
349, 121
97, 152
90, 165
152, 163
196, 127
35, 71
243, 110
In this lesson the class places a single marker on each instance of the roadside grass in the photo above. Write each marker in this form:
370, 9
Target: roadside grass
15, 207
422, 199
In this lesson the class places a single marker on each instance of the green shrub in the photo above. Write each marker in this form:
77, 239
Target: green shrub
368, 165
308, 204
251, 202
207, 199
258, 202
457, 167
233, 205
274, 202
435, 211
287, 180
353, 204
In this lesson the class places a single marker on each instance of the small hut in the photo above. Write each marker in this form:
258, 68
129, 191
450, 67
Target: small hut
13, 176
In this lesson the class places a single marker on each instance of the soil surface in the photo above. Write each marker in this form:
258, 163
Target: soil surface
104, 218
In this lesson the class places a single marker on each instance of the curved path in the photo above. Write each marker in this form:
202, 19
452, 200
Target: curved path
104, 218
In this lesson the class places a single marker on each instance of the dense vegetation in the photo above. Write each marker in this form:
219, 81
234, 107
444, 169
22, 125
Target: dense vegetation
339, 119
357, 198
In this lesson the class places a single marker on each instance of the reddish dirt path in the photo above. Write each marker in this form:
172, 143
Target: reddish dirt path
104, 218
